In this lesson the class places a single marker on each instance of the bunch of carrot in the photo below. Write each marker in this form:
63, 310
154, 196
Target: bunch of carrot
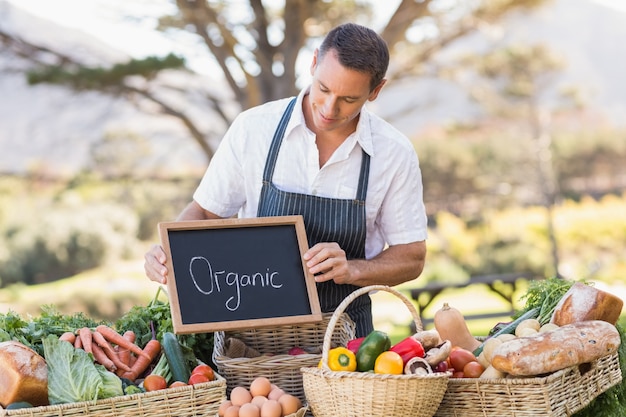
117, 352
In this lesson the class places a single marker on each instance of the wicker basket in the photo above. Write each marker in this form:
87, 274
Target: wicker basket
282, 369
561, 393
332, 394
188, 401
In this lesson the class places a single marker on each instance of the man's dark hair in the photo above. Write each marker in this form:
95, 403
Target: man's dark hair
358, 48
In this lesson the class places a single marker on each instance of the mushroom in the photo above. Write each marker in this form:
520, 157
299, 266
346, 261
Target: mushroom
439, 353
428, 338
417, 366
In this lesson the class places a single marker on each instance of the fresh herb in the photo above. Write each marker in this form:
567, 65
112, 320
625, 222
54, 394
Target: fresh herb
157, 314
545, 294
31, 331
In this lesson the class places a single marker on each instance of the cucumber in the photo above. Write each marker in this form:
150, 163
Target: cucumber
19, 405
533, 313
175, 358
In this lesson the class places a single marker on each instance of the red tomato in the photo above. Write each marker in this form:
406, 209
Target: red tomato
197, 379
205, 370
178, 384
473, 369
154, 382
458, 374
460, 357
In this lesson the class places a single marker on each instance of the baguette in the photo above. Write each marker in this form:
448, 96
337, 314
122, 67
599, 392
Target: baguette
561, 348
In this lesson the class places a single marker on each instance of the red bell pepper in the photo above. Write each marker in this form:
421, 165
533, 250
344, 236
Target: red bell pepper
354, 344
408, 349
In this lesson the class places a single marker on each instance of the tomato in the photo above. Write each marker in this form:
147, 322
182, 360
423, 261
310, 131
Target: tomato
154, 382
460, 357
197, 379
473, 369
205, 370
178, 384
389, 362
458, 374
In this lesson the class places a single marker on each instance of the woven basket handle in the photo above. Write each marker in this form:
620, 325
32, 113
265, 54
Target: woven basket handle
344, 304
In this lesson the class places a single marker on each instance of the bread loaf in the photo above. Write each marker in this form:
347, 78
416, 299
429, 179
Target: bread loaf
23, 375
561, 348
583, 302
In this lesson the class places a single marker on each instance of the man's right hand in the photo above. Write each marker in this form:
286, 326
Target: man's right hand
154, 264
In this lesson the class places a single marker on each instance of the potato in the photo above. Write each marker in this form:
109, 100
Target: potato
526, 332
505, 337
491, 372
489, 346
527, 324
482, 359
548, 327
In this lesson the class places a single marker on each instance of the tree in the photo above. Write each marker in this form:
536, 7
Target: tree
256, 46
521, 81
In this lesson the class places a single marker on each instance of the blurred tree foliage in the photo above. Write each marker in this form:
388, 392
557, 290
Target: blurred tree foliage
255, 46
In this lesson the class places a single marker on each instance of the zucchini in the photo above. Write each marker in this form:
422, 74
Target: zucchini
175, 358
373, 345
533, 313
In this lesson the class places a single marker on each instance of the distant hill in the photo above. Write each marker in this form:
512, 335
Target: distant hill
52, 129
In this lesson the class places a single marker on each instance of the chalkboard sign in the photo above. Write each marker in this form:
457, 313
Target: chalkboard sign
238, 273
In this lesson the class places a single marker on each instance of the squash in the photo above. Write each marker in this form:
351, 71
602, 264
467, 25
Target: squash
451, 325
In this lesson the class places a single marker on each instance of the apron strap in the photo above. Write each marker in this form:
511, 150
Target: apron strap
272, 155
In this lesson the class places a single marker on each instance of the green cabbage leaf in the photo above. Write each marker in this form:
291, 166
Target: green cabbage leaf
73, 376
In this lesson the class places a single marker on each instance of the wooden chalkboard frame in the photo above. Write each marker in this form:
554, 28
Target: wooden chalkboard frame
313, 314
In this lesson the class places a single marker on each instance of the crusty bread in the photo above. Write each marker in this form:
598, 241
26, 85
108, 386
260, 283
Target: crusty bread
23, 375
583, 302
561, 348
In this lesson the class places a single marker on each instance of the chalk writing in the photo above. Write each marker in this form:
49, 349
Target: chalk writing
202, 274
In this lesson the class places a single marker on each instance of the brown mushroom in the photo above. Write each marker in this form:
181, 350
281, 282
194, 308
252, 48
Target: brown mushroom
439, 353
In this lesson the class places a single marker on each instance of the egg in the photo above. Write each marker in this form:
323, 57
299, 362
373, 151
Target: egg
221, 411
271, 408
259, 400
232, 411
289, 404
249, 410
240, 396
275, 394
260, 386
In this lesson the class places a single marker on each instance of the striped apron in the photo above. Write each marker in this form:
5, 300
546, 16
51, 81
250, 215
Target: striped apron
325, 220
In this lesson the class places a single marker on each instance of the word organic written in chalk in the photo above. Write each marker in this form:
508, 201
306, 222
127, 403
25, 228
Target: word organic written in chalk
206, 280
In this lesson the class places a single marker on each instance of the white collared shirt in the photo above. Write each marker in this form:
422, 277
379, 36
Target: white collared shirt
394, 203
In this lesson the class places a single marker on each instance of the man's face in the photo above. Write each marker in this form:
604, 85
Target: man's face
337, 94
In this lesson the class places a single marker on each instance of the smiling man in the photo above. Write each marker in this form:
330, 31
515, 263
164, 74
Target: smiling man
353, 177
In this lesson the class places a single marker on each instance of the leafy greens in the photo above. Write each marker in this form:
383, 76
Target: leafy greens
74, 377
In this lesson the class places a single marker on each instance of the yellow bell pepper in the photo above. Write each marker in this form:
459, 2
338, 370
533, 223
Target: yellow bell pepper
341, 359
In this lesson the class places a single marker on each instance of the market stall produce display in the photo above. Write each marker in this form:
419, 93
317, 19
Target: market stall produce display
71, 365
534, 367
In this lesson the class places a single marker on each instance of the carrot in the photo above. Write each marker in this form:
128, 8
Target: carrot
114, 337
99, 340
78, 343
124, 353
130, 336
86, 339
68, 337
102, 358
151, 352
